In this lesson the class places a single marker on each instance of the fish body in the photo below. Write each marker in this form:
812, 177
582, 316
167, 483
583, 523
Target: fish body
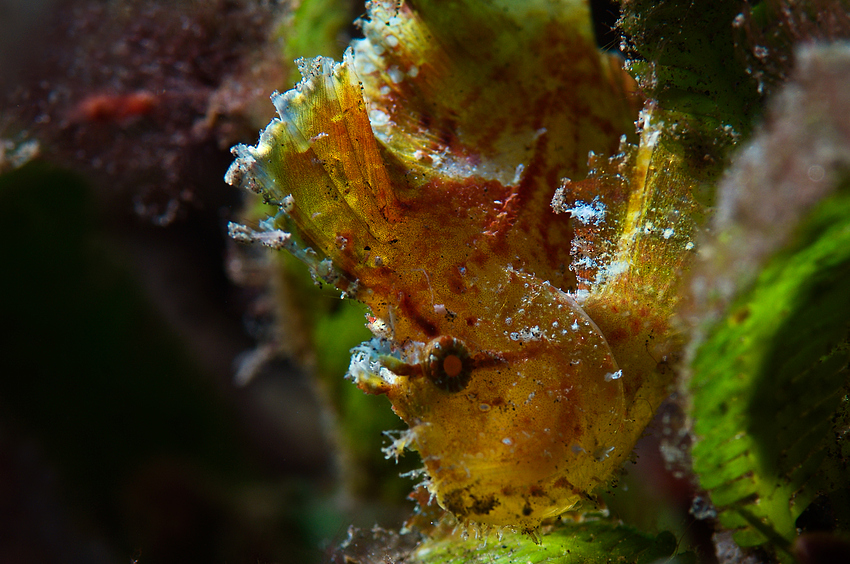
524, 349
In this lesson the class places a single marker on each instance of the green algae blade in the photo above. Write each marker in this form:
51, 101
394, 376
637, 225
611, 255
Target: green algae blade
314, 28
684, 58
590, 543
770, 371
771, 380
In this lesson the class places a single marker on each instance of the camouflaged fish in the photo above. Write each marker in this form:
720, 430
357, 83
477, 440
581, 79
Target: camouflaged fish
526, 350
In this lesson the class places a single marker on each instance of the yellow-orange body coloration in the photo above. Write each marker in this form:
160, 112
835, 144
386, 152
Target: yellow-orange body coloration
417, 177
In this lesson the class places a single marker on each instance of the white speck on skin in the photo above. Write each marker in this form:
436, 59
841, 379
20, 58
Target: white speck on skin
395, 74
613, 376
602, 453
527, 334
378, 117
667, 233
518, 173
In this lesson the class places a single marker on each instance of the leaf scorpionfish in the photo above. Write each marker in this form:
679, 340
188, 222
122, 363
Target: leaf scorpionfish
524, 348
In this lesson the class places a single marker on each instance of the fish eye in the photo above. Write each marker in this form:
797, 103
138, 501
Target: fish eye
447, 363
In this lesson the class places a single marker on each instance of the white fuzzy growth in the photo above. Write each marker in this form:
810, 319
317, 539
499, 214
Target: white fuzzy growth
613, 270
588, 213
362, 366
365, 357
611, 376
602, 453
378, 117
584, 262
520, 168
400, 441
326, 271
528, 334
274, 239
646, 124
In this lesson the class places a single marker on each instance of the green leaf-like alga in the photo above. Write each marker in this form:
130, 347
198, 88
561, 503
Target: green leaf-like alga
594, 542
684, 57
769, 380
